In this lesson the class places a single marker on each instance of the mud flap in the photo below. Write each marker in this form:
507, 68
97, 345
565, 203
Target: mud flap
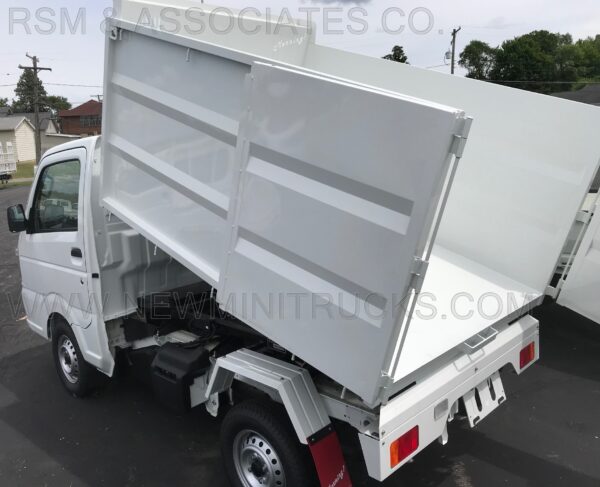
329, 460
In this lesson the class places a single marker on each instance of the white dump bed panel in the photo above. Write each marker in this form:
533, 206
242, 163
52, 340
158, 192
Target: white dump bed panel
528, 166
305, 188
172, 107
169, 144
522, 179
333, 206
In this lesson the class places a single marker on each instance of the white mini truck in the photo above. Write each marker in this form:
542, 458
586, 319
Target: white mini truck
317, 230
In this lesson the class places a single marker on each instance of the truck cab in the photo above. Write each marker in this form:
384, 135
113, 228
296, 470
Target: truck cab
55, 257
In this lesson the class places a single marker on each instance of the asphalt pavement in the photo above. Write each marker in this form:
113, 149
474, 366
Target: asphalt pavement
546, 434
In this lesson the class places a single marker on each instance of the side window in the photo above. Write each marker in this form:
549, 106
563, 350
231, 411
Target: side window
57, 198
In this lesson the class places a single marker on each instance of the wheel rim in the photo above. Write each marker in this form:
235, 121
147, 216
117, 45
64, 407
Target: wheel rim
69, 362
256, 462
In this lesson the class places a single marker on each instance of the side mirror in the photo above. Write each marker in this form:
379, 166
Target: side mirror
17, 222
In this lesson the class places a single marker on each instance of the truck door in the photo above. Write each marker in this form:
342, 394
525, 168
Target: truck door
51, 252
581, 290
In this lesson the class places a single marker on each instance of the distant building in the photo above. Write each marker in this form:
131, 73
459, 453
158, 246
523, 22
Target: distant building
17, 133
50, 136
50, 133
83, 120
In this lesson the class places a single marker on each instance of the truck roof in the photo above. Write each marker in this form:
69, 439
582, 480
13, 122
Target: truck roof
88, 143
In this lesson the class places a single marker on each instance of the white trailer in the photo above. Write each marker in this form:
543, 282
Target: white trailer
8, 162
321, 226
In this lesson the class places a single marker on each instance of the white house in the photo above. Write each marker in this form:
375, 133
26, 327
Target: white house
20, 133
50, 133
23, 133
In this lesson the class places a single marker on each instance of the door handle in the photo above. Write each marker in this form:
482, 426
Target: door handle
75, 252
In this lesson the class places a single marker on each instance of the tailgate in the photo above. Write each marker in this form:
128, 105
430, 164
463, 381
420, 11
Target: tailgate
428, 406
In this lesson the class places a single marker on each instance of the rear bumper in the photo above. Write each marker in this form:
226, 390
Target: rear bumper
430, 403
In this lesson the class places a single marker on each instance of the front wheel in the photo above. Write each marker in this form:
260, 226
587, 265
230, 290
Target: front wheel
261, 449
78, 377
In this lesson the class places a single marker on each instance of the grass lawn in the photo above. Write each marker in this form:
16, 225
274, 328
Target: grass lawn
24, 170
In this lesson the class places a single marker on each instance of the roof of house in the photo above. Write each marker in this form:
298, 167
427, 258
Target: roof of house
45, 118
91, 107
589, 94
12, 122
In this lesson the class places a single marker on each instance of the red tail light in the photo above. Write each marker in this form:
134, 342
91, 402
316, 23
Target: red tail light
527, 355
404, 446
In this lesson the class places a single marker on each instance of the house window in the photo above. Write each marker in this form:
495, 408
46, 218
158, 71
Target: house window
87, 121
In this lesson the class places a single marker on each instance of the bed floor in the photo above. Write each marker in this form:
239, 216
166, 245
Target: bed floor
459, 299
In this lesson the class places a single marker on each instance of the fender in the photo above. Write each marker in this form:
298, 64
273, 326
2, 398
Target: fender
44, 306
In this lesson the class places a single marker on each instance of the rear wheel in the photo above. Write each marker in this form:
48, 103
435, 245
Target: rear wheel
261, 449
78, 377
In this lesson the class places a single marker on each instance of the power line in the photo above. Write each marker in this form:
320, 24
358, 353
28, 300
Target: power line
59, 84
73, 85
437, 66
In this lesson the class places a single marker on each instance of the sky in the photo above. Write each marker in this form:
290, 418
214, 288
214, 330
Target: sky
77, 59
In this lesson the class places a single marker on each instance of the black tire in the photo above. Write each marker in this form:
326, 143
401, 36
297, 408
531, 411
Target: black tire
84, 379
290, 462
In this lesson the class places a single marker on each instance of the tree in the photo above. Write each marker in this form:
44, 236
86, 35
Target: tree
25, 93
57, 103
3, 102
537, 60
479, 59
540, 61
588, 57
397, 55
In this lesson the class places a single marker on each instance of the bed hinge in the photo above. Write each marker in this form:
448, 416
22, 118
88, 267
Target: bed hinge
386, 380
458, 146
584, 217
460, 140
418, 271
385, 383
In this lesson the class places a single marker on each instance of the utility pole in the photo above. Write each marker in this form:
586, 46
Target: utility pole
98, 97
454, 33
36, 103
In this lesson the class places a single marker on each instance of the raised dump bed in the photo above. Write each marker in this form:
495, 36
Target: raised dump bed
319, 192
